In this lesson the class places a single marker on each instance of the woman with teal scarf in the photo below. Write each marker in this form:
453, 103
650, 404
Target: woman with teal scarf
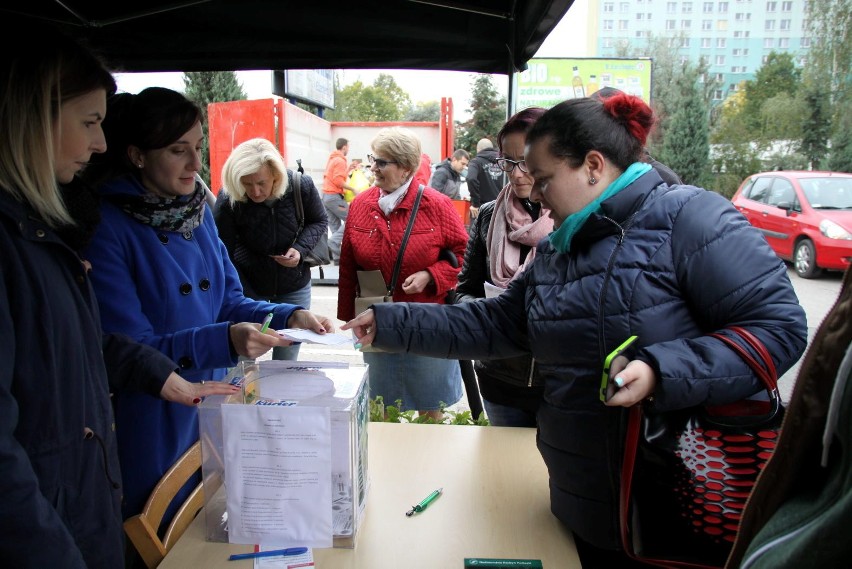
630, 256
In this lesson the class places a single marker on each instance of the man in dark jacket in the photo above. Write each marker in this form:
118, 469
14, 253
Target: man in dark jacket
484, 178
447, 176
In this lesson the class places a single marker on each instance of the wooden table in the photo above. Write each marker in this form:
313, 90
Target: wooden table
495, 504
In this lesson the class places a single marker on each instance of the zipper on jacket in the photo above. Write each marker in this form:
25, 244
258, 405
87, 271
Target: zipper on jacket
89, 434
532, 372
604, 287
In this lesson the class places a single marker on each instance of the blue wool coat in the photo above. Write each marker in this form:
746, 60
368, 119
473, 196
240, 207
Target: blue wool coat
178, 293
667, 263
60, 505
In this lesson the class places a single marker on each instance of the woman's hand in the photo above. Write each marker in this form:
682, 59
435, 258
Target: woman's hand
416, 282
636, 381
250, 342
307, 320
289, 259
364, 328
178, 390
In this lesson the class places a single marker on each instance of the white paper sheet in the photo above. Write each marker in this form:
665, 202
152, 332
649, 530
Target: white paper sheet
278, 474
492, 290
311, 337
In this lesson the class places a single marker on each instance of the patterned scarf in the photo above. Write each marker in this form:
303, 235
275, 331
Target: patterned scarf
180, 213
512, 226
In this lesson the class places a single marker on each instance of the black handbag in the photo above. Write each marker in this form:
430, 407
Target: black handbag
686, 474
320, 254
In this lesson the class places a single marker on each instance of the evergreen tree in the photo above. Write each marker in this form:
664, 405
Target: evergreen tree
686, 147
205, 87
816, 127
488, 114
777, 75
840, 159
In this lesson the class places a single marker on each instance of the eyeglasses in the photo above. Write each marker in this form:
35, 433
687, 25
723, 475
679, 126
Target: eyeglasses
378, 162
507, 165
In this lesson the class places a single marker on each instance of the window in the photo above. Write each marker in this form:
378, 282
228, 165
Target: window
719, 78
723, 7
782, 193
622, 25
784, 43
706, 25
722, 25
705, 43
684, 42
607, 42
708, 7
670, 24
806, 42
624, 7
720, 43
720, 60
686, 8
717, 95
759, 189
771, 6
786, 6
786, 25
607, 24
769, 25
608, 7
768, 43
671, 7
685, 24
640, 16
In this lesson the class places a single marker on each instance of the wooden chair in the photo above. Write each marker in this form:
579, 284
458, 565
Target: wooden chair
142, 528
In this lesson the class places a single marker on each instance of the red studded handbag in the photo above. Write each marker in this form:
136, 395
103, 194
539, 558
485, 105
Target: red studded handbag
686, 475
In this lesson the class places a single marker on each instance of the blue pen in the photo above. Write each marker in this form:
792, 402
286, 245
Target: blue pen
270, 553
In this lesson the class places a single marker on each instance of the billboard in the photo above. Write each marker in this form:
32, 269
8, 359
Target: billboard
312, 86
548, 81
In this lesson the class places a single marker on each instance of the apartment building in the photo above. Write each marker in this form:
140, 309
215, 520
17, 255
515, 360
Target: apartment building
733, 36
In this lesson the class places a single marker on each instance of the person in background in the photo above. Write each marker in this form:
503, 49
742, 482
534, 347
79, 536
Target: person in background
484, 177
163, 276
256, 218
358, 180
447, 175
502, 242
668, 175
61, 503
371, 241
630, 255
334, 185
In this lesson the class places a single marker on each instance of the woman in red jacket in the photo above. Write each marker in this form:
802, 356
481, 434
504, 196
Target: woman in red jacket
371, 241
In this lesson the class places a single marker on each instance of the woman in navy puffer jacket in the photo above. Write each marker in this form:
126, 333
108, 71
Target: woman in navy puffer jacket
630, 255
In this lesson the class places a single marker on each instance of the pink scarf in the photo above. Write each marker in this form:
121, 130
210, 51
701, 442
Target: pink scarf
512, 226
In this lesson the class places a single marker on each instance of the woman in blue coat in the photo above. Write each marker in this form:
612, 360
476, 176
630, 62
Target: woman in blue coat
630, 255
163, 276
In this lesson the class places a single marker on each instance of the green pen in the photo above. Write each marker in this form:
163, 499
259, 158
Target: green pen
266, 322
425, 502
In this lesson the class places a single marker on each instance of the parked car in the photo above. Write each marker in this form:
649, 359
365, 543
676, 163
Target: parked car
806, 217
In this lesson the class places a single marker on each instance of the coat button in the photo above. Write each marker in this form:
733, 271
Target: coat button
204, 284
185, 289
39, 232
187, 235
185, 362
163, 238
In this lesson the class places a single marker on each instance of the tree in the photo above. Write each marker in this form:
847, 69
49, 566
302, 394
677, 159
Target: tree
840, 159
384, 100
830, 56
205, 87
816, 126
777, 75
686, 147
488, 114
428, 111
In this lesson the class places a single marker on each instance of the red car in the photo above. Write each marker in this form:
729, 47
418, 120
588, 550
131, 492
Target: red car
806, 217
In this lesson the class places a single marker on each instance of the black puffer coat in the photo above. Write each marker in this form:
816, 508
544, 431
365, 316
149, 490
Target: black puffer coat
253, 231
667, 263
507, 381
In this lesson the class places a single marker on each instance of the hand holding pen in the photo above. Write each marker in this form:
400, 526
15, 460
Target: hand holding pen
249, 340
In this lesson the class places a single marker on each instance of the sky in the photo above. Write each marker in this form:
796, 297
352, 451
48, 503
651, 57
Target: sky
568, 39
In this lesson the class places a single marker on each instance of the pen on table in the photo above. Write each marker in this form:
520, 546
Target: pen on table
425, 502
269, 553
266, 322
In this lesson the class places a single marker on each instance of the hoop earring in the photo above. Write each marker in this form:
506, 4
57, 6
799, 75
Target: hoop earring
593, 180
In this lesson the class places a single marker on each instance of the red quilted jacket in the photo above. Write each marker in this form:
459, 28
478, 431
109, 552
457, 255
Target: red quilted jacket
371, 241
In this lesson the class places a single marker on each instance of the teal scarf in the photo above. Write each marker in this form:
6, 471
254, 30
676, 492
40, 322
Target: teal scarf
561, 238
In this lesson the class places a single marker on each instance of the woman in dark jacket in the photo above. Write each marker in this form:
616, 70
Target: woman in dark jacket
502, 241
630, 255
257, 222
59, 473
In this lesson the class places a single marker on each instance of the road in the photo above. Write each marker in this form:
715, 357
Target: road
816, 296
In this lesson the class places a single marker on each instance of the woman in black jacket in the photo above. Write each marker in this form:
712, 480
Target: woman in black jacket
256, 217
502, 242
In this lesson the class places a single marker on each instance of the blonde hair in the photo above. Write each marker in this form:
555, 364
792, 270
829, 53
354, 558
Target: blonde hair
399, 144
35, 83
247, 159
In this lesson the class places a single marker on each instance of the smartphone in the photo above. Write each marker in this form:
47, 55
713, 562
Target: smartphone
608, 386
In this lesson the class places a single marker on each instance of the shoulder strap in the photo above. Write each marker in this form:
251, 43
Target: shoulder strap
297, 197
398, 266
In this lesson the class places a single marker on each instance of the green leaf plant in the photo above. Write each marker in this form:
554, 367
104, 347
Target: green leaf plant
381, 413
